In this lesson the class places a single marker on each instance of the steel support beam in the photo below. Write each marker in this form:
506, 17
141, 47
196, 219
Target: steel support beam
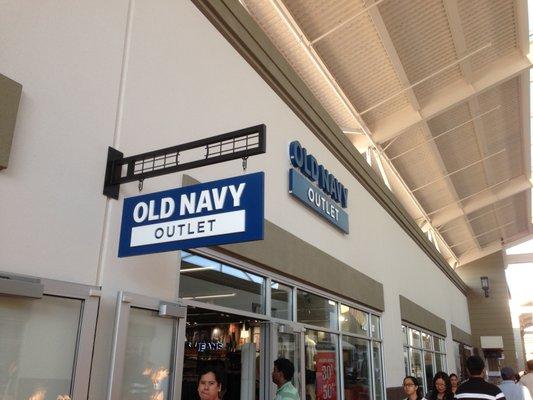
403, 120
501, 192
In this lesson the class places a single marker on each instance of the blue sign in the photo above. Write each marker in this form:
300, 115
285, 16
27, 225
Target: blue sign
315, 172
313, 197
327, 196
219, 212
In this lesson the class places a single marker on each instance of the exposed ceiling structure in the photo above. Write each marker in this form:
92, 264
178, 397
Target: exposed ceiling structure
435, 93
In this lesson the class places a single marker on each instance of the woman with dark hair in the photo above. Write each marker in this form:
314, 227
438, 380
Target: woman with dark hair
210, 383
442, 387
454, 380
412, 388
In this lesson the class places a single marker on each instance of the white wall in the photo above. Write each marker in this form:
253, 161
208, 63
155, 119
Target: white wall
180, 81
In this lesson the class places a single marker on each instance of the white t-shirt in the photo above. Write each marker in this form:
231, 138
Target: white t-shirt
527, 381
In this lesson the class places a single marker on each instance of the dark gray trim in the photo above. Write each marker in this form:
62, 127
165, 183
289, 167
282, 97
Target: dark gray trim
419, 316
461, 336
10, 92
243, 33
288, 255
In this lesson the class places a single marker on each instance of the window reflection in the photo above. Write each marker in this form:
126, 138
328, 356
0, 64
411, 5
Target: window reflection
356, 368
148, 356
37, 347
415, 357
281, 300
320, 365
316, 310
353, 320
378, 370
209, 281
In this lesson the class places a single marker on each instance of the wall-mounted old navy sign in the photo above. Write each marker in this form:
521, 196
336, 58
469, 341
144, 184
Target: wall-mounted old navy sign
317, 188
219, 212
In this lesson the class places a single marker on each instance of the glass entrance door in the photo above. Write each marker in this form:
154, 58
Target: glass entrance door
287, 342
46, 338
224, 348
148, 349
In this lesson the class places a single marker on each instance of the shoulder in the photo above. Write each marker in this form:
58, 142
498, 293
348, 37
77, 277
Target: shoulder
478, 389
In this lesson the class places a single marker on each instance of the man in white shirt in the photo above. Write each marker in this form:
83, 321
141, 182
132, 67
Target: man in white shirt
527, 379
510, 389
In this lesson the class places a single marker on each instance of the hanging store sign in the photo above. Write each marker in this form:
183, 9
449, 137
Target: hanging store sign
312, 184
219, 212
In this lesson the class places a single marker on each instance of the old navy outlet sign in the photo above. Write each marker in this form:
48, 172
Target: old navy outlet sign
219, 212
312, 184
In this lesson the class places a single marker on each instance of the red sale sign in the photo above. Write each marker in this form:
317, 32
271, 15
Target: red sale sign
326, 375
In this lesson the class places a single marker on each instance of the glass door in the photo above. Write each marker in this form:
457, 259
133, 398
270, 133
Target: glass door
148, 349
287, 342
46, 338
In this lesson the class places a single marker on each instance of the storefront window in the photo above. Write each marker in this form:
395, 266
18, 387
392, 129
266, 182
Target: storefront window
375, 327
316, 310
461, 353
289, 348
414, 338
281, 301
405, 336
37, 346
212, 282
356, 368
426, 341
429, 369
415, 357
406, 361
353, 320
234, 345
378, 370
320, 365
424, 356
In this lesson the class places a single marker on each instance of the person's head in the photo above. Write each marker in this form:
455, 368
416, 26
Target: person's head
454, 380
475, 366
530, 365
209, 383
411, 386
508, 374
283, 371
441, 382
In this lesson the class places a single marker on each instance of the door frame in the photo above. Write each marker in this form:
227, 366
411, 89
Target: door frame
165, 309
34, 288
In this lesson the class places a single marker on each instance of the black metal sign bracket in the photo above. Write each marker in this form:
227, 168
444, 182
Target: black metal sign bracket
242, 143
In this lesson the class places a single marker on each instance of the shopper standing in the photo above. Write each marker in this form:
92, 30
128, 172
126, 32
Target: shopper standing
511, 389
454, 380
411, 388
475, 388
442, 388
282, 376
527, 379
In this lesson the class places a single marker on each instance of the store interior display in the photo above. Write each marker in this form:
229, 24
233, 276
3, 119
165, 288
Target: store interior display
227, 342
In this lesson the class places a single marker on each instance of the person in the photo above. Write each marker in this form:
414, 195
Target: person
527, 379
282, 375
475, 388
454, 380
210, 383
412, 388
510, 388
442, 388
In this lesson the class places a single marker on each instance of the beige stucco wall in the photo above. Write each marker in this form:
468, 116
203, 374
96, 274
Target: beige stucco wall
490, 316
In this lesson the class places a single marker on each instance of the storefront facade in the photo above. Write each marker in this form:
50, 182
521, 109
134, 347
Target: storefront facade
139, 76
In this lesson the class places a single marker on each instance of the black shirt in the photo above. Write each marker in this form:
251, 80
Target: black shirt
478, 389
